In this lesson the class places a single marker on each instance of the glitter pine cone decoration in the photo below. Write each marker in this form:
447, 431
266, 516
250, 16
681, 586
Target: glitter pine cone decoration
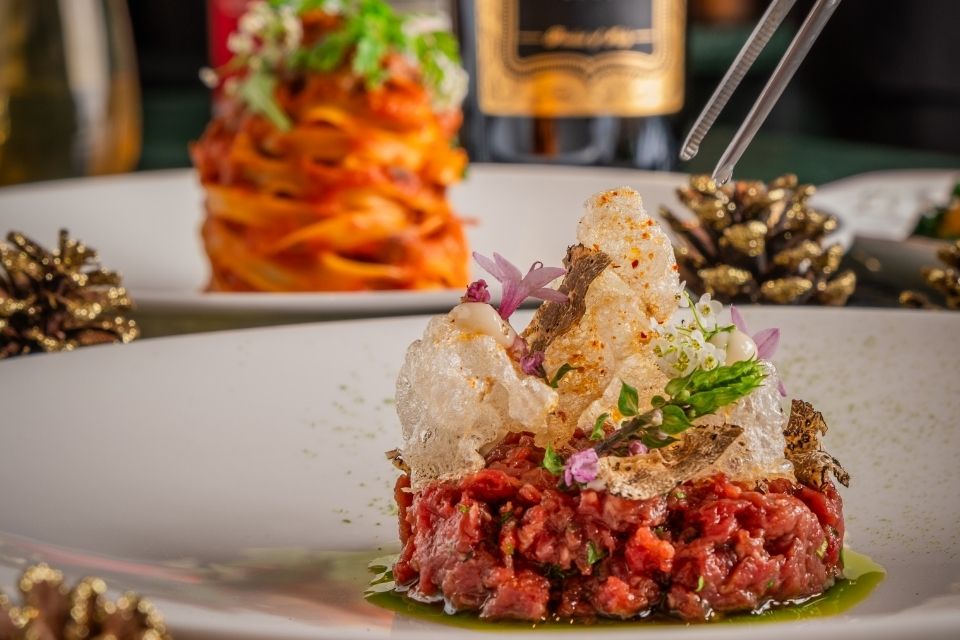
50, 611
945, 281
58, 300
756, 242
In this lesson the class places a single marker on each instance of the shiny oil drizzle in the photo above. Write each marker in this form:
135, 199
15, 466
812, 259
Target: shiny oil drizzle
860, 576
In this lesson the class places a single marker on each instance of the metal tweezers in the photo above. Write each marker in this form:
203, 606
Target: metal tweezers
796, 52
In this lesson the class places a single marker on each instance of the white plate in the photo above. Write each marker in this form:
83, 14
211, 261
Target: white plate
146, 225
886, 204
219, 474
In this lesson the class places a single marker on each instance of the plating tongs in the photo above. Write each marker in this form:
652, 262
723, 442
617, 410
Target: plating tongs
796, 52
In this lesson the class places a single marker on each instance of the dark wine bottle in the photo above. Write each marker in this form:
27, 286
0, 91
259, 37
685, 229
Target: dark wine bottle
587, 82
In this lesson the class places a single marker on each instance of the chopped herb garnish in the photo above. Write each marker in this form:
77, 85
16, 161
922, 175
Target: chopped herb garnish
598, 432
594, 555
554, 572
822, 549
463, 508
700, 584
679, 494
628, 400
564, 369
552, 462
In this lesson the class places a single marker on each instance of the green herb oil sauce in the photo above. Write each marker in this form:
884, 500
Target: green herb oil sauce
860, 576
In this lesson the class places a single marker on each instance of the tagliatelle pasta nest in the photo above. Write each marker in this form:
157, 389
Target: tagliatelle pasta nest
327, 173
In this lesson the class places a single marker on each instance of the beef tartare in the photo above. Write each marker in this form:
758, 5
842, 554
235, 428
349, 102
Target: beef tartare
507, 542
627, 454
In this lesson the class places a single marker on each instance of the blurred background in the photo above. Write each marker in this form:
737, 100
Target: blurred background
881, 88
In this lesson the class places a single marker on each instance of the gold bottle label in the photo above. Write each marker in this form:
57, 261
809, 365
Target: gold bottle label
555, 58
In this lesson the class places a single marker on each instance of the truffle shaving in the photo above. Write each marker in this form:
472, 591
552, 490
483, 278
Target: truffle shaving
553, 318
655, 473
812, 465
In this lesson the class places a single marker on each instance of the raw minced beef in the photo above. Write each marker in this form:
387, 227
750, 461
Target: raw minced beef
508, 542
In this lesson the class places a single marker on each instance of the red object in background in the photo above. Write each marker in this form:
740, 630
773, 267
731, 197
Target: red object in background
223, 16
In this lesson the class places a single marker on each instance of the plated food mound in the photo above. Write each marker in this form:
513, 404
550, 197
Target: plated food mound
624, 455
327, 166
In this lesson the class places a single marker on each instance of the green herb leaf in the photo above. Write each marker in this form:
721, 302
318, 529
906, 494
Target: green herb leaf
598, 433
653, 441
371, 30
628, 400
564, 369
383, 563
594, 555
257, 91
701, 583
674, 420
552, 462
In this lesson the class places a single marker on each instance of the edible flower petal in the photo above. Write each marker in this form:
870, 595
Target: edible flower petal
708, 310
581, 467
517, 287
636, 448
532, 363
767, 340
477, 291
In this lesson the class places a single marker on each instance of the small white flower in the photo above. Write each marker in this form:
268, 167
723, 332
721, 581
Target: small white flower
669, 333
292, 29
711, 357
240, 44
685, 363
708, 310
681, 296
209, 77
696, 340
255, 20
665, 350
333, 7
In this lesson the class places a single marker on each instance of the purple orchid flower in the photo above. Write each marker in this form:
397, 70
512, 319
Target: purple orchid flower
767, 340
477, 292
516, 286
636, 448
581, 467
532, 363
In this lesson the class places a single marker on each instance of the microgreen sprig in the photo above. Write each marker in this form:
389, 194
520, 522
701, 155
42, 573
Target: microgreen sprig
698, 394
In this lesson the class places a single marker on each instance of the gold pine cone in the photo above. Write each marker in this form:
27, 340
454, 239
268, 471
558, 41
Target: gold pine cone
50, 611
58, 300
755, 242
945, 281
